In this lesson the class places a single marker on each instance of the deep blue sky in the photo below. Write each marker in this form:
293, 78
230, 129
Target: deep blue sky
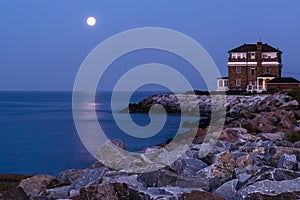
44, 42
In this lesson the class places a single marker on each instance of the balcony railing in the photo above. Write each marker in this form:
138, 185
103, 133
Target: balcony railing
256, 88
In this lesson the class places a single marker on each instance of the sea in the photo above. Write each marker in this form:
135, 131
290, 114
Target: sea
38, 134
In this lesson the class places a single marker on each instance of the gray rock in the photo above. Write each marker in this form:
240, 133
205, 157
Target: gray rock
272, 136
57, 193
178, 166
228, 190
67, 177
275, 174
195, 165
289, 189
290, 104
88, 177
287, 161
130, 180
279, 151
243, 178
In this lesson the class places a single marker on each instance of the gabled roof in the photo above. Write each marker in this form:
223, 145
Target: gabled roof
285, 80
253, 48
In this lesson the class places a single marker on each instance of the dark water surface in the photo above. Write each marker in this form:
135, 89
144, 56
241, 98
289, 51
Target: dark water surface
38, 135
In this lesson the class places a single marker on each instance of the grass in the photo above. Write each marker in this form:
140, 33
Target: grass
294, 94
293, 137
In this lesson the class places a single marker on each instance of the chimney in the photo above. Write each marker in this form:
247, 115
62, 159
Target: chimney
259, 47
259, 58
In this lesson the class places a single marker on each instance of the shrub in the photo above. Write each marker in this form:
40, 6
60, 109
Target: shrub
293, 137
294, 94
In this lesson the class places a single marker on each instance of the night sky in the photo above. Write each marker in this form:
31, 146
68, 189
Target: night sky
43, 43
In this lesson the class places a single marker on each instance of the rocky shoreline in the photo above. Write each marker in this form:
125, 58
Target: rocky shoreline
257, 156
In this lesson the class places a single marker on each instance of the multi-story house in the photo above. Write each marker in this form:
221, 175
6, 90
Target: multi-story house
250, 67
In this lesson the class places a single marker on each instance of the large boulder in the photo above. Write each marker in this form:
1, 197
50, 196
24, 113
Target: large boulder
263, 124
228, 190
38, 183
287, 161
68, 176
89, 177
223, 166
266, 189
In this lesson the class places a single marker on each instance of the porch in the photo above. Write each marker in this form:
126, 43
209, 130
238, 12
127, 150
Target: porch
259, 85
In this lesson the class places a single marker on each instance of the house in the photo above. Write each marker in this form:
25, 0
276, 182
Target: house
255, 68
250, 67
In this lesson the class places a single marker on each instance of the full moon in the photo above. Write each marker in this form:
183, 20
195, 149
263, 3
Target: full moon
91, 21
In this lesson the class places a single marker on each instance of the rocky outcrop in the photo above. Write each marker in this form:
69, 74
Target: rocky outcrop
251, 160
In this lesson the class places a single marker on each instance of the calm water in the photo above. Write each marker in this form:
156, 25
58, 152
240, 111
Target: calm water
38, 135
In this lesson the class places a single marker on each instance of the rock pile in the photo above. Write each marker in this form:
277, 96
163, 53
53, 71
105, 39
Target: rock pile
252, 159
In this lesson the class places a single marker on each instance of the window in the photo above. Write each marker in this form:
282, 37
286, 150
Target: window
250, 82
226, 83
252, 71
267, 70
238, 82
252, 56
238, 69
220, 83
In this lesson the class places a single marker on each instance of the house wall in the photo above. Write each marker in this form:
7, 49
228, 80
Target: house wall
245, 76
279, 87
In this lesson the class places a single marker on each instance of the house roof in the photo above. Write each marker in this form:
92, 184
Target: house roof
253, 48
284, 80
222, 78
